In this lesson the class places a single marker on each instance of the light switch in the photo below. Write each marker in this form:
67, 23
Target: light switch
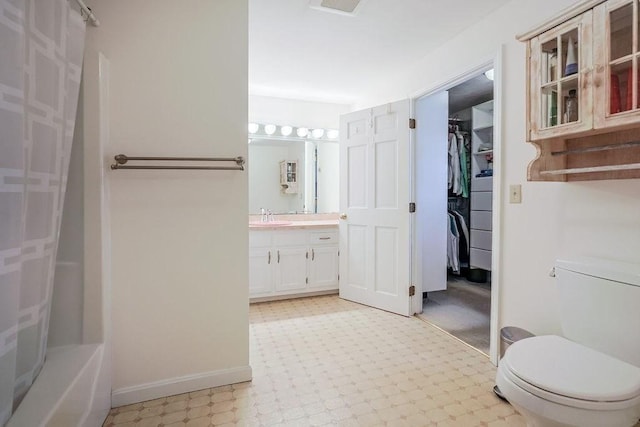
515, 193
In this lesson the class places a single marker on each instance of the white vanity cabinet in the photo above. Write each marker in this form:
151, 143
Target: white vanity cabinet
292, 261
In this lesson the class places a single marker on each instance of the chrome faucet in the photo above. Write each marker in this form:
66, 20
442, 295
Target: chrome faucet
263, 215
269, 216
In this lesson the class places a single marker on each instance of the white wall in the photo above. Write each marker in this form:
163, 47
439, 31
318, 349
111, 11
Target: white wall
178, 87
555, 219
280, 111
328, 177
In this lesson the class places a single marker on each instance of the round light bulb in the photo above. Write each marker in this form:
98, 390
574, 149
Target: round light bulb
286, 130
489, 74
317, 133
302, 132
332, 134
253, 127
269, 129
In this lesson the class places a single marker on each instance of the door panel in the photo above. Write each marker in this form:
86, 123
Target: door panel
357, 182
375, 235
386, 175
386, 248
323, 267
431, 166
292, 268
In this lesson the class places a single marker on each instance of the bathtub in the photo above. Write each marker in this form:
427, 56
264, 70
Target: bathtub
73, 389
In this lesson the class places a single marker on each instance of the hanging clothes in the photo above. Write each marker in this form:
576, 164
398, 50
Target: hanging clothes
453, 260
464, 246
454, 164
463, 150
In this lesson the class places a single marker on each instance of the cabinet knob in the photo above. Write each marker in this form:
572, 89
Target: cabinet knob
343, 216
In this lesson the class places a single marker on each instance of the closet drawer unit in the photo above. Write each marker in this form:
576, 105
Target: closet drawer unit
482, 184
290, 238
481, 220
481, 239
259, 239
479, 258
323, 237
481, 200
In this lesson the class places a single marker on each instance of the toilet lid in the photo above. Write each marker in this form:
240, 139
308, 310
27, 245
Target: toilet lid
565, 368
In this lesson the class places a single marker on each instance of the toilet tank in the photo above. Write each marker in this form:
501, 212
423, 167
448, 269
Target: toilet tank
600, 306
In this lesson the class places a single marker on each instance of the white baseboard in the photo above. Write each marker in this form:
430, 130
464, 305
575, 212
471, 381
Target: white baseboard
172, 386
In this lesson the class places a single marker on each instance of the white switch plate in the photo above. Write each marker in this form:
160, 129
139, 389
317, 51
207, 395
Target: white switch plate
515, 193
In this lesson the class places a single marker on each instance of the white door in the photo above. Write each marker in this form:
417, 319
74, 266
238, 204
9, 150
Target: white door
431, 163
375, 242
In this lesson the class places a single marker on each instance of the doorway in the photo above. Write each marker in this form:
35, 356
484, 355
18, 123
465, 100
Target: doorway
454, 161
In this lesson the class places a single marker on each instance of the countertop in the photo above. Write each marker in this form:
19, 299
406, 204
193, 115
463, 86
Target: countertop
295, 225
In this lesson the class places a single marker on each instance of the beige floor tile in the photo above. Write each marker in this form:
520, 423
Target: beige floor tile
325, 361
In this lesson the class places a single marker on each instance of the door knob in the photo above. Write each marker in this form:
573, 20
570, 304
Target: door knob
343, 216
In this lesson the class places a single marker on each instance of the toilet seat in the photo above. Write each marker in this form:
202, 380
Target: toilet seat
561, 371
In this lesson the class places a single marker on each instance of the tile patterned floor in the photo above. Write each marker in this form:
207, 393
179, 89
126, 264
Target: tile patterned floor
325, 361
463, 310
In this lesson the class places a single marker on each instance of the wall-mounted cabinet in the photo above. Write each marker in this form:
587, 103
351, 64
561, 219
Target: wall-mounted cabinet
289, 176
584, 93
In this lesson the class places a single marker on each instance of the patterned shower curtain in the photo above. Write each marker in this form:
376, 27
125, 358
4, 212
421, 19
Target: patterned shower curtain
41, 49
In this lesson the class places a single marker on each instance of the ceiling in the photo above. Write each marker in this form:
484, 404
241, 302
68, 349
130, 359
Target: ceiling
301, 52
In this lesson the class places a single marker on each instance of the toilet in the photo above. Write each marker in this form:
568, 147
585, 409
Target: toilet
590, 376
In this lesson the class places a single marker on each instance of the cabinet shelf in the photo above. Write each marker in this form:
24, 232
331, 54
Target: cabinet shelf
633, 166
481, 153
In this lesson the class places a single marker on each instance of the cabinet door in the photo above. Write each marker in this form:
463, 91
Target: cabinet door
260, 271
291, 268
323, 267
617, 77
560, 70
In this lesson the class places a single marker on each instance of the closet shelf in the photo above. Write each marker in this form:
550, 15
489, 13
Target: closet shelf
480, 153
609, 168
484, 127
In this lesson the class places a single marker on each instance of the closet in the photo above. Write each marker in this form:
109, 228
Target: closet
454, 182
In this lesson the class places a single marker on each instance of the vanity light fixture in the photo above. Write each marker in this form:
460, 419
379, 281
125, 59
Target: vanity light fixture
317, 133
269, 129
253, 127
302, 132
286, 130
332, 134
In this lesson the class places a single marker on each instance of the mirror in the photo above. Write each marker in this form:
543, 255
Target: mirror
293, 176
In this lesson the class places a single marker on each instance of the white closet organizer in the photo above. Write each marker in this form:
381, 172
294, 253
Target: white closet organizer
481, 187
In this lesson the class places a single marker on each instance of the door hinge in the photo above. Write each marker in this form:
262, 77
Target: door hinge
412, 123
412, 290
412, 207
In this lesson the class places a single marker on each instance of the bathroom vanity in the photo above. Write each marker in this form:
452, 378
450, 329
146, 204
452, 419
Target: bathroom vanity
291, 258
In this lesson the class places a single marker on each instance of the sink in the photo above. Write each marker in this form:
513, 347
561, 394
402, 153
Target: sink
271, 223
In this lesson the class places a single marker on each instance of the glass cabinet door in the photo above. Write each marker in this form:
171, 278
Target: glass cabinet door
560, 93
616, 56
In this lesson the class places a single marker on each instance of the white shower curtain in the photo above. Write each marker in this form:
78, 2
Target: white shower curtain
41, 49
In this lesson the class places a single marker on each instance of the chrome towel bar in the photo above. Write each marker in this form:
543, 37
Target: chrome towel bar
122, 160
